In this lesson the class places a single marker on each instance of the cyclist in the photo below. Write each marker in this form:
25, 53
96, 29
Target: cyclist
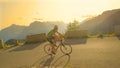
53, 37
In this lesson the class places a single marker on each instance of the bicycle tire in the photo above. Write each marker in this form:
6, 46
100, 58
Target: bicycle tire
68, 46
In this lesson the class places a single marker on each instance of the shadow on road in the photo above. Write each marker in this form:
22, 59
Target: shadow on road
43, 62
76, 41
61, 62
118, 37
49, 62
26, 47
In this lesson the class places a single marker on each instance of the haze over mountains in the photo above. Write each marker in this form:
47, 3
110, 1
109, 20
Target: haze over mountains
36, 27
103, 23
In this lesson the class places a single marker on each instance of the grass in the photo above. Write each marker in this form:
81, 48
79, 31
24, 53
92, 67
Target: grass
99, 35
93, 35
8, 46
109, 35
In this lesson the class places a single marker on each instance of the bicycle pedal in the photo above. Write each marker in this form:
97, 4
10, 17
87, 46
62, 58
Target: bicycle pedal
53, 52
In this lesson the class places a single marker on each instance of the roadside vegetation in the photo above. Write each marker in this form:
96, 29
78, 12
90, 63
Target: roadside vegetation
74, 25
112, 34
12, 43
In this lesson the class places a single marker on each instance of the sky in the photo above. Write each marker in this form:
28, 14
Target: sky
23, 12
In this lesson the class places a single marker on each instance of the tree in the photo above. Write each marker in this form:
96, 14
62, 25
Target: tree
73, 25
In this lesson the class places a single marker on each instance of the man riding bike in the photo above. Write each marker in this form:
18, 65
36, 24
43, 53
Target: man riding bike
53, 37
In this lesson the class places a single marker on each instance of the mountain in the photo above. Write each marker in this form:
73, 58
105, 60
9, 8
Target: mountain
103, 23
36, 27
11, 32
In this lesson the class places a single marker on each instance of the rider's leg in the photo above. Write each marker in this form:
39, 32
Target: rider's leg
53, 46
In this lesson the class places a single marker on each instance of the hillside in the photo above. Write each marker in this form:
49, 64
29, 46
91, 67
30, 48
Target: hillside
12, 31
103, 23
36, 27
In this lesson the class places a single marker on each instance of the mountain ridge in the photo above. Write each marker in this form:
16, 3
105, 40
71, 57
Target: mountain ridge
103, 23
36, 27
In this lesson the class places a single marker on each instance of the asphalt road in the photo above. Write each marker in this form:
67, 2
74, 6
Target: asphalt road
87, 53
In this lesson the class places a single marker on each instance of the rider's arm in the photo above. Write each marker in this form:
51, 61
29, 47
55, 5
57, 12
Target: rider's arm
60, 35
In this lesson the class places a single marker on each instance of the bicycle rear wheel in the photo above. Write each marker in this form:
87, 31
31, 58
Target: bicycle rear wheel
66, 49
47, 49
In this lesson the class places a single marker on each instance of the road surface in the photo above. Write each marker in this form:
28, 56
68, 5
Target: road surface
87, 53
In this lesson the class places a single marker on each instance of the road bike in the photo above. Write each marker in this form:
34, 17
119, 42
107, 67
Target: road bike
65, 48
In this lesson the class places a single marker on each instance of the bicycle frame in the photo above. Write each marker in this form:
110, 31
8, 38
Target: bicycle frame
61, 44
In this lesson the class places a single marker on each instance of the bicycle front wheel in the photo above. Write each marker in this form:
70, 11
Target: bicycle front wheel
66, 49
